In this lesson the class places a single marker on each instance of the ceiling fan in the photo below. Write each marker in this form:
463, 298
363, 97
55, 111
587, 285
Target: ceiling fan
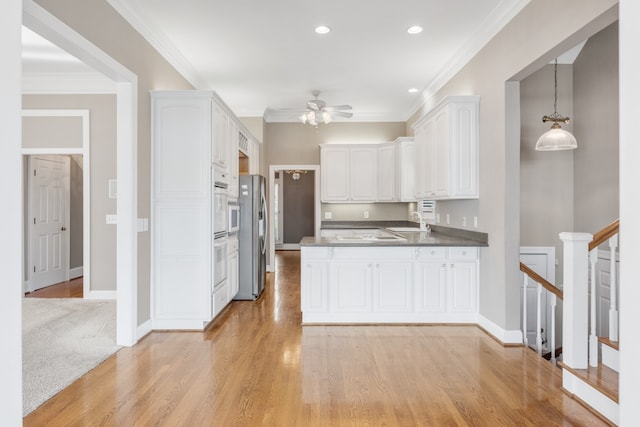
318, 112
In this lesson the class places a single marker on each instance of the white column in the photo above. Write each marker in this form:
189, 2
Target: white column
593, 337
11, 215
525, 338
576, 299
552, 338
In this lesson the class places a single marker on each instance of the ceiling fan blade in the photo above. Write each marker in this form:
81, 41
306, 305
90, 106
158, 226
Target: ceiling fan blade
314, 105
341, 114
338, 107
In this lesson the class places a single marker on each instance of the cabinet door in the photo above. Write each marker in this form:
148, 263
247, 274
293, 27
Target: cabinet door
392, 286
350, 287
429, 160
363, 176
464, 138
431, 284
387, 173
315, 281
463, 288
334, 166
220, 135
406, 171
441, 123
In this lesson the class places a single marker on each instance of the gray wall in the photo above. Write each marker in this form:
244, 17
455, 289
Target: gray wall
76, 223
298, 207
546, 177
596, 99
102, 118
100, 24
528, 42
574, 190
299, 144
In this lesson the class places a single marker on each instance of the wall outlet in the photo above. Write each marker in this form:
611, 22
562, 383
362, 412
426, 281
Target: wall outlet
448, 219
366, 214
327, 215
464, 221
112, 219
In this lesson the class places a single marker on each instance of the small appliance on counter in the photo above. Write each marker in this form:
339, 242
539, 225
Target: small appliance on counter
252, 236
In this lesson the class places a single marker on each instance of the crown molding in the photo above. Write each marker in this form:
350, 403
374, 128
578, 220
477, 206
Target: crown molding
501, 15
156, 38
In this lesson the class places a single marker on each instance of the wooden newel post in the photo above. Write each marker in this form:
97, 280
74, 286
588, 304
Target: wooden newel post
575, 320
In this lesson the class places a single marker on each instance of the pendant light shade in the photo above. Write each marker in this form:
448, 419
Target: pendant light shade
556, 138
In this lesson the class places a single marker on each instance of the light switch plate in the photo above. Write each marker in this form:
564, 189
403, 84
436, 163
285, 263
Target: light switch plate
327, 215
112, 219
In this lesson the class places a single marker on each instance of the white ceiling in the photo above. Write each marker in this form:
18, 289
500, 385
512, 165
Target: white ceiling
264, 55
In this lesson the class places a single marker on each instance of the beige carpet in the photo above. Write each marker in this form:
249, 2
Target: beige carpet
62, 339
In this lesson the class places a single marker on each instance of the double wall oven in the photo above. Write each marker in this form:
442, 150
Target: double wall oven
220, 211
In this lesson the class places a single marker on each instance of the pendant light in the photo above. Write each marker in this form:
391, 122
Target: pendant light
556, 138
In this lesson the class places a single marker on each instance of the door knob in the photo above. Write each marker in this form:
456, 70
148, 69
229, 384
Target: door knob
63, 228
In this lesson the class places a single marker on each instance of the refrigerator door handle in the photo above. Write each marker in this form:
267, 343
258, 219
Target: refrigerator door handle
264, 224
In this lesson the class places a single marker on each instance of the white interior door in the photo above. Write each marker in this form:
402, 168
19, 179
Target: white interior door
49, 196
541, 262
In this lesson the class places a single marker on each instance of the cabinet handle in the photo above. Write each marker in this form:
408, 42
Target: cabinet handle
444, 265
433, 252
451, 265
464, 252
377, 265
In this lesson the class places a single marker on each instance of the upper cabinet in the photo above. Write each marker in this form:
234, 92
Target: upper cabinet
349, 173
446, 150
405, 169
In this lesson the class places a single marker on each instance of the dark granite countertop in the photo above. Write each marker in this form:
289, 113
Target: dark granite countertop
439, 236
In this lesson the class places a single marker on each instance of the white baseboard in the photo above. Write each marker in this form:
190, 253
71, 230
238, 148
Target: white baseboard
101, 295
502, 335
75, 273
26, 285
610, 357
144, 329
589, 395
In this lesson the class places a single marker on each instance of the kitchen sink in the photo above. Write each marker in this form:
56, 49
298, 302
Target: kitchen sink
405, 229
369, 237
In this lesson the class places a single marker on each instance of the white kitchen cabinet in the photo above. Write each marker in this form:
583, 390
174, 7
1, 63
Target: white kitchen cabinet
386, 173
366, 284
405, 169
221, 130
350, 286
363, 173
431, 280
392, 286
334, 166
447, 150
462, 280
233, 163
358, 173
190, 136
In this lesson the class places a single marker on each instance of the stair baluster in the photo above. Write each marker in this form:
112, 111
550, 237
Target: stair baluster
613, 308
524, 310
593, 336
539, 321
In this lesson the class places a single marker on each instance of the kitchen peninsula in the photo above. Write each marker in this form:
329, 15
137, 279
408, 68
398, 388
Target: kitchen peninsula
390, 273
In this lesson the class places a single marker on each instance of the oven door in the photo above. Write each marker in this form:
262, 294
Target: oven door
234, 218
219, 261
220, 210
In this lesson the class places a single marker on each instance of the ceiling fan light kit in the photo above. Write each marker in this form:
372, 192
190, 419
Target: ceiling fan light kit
318, 112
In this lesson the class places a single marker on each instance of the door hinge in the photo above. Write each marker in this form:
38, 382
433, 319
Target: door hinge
34, 268
34, 220
34, 172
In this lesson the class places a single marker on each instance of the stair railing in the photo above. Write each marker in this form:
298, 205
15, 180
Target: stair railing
610, 233
555, 293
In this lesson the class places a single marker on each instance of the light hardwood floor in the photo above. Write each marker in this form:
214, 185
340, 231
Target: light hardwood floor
71, 289
257, 366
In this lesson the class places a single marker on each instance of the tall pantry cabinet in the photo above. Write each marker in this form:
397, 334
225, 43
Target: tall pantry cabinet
191, 134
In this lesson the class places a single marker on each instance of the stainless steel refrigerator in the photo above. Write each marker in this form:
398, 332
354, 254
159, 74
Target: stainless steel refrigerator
252, 236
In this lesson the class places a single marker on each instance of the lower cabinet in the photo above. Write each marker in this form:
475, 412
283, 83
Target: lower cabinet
389, 285
233, 266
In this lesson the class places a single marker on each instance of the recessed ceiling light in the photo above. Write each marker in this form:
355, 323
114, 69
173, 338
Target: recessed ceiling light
413, 90
416, 29
322, 29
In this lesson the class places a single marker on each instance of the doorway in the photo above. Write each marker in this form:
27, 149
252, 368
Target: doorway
294, 205
303, 182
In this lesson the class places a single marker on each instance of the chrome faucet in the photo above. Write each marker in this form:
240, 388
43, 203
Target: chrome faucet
423, 225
